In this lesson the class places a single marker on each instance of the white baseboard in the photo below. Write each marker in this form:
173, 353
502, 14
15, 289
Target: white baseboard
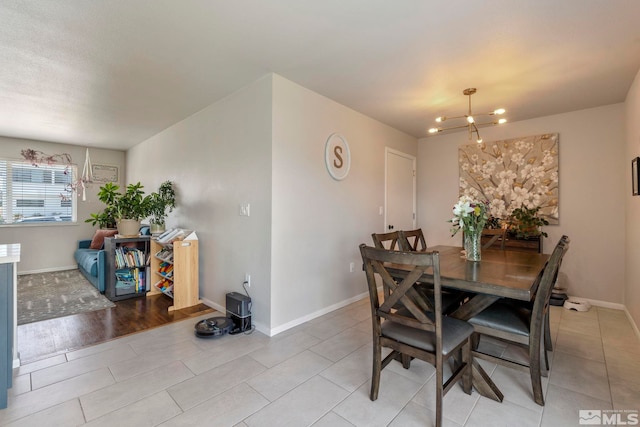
611, 305
311, 316
598, 303
633, 324
49, 270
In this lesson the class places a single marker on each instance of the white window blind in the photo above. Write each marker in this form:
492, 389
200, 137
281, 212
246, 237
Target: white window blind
36, 194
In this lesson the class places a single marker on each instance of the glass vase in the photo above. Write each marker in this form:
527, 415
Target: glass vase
472, 245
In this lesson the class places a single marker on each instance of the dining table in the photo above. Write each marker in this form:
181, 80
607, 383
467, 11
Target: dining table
499, 274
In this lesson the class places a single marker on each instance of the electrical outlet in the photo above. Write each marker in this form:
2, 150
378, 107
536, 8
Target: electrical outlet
247, 278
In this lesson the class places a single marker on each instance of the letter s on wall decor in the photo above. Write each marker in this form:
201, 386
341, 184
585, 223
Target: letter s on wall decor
337, 156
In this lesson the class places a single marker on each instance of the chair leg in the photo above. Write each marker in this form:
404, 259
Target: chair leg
467, 359
548, 345
535, 360
544, 370
439, 389
475, 341
545, 373
376, 368
406, 361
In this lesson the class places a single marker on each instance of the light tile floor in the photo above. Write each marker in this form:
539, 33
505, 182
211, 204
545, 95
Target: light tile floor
317, 374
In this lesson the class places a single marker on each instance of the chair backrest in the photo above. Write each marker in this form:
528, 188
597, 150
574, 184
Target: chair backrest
413, 314
496, 236
548, 279
386, 240
412, 240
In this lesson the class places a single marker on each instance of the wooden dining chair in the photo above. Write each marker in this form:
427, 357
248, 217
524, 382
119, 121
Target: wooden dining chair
386, 240
412, 240
496, 237
410, 331
521, 325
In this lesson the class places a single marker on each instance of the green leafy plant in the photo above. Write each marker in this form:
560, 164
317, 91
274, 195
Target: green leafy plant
493, 222
526, 223
132, 204
103, 219
160, 201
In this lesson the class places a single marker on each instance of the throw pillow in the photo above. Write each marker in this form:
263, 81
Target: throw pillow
98, 238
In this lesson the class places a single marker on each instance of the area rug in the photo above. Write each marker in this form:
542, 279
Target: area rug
44, 296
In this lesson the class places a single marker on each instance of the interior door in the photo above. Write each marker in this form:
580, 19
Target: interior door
400, 191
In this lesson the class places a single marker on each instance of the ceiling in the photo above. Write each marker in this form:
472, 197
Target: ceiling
112, 73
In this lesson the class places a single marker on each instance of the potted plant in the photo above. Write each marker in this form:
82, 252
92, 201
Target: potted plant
159, 202
525, 223
107, 218
104, 219
125, 209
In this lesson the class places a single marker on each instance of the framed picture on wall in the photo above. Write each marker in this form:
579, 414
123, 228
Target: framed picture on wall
635, 186
105, 173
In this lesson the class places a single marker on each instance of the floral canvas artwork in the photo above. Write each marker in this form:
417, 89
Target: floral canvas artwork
512, 173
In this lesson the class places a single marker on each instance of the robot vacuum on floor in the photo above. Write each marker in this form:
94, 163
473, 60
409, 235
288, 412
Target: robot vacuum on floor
213, 327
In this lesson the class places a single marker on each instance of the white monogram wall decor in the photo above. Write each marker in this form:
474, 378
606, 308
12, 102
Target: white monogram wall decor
337, 156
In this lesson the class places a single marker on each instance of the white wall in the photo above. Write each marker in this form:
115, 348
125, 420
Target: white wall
594, 183
318, 222
632, 286
50, 247
219, 158
264, 145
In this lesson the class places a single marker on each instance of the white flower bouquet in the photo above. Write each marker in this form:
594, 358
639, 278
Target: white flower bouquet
470, 215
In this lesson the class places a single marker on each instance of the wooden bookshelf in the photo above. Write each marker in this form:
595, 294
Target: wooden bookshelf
175, 265
126, 278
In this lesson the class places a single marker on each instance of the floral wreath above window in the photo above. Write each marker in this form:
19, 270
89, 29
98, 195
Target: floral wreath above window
513, 173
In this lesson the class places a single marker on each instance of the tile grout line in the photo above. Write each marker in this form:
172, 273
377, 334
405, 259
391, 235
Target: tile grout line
604, 355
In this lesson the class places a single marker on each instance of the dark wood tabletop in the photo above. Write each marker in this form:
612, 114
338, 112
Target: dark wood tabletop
501, 273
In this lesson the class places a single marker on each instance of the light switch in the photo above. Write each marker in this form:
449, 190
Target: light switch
245, 209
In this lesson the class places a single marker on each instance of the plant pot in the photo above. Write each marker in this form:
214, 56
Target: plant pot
128, 227
156, 228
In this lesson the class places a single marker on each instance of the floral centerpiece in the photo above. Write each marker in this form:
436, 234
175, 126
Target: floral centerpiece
470, 216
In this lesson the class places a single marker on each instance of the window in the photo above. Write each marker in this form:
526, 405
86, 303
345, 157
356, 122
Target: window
36, 194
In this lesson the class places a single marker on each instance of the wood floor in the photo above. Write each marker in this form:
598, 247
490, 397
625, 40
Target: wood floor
39, 340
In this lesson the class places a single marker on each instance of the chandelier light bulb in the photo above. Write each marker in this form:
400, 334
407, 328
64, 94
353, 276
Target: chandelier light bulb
473, 122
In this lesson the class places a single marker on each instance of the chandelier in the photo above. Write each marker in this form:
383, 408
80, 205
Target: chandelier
470, 119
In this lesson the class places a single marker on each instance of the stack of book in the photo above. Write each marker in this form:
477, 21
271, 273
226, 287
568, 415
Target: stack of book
173, 234
129, 257
165, 254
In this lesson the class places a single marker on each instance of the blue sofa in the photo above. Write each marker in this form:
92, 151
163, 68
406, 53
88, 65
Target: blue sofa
92, 262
